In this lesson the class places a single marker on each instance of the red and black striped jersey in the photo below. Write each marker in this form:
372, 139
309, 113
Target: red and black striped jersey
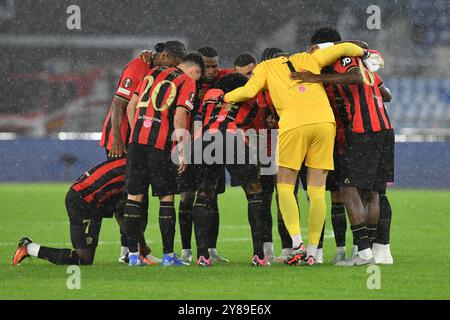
101, 183
162, 91
265, 109
227, 116
204, 86
259, 123
340, 115
129, 82
360, 106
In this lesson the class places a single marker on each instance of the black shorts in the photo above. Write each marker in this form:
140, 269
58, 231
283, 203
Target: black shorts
146, 166
192, 177
187, 182
213, 175
388, 156
85, 221
267, 183
368, 161
241, 169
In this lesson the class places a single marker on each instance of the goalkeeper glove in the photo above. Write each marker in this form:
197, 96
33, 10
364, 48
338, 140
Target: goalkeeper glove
373, 60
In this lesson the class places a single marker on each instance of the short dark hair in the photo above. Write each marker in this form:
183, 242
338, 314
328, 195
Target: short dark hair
208, 52
325, 35
175, 48
270, 53
244, 59
196, 58
231, 81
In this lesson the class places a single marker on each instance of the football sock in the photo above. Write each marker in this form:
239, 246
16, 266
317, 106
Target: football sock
202, 225
133, 254
288, 207
123, 251
33, 249
167, 221
215, 221
286, 240
365, 254
316, 214
296, 241
320, 246
340, 250
285, 252
268, 223
256, 221
134, 210
185, 220
268, 249
144, 217
339, 222
384, 225
372, 232
123, 239
311, 250
60, 256
361, 236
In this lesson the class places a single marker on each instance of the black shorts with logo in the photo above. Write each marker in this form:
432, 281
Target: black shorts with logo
146, 166
193, 176
242, 174
368, 160
85, 221
267, 183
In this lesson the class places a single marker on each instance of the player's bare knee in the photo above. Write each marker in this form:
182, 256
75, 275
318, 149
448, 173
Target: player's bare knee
336, 196
168, 198
136, 197
316, 177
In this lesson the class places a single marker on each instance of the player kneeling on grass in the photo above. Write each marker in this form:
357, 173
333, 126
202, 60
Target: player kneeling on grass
95, 195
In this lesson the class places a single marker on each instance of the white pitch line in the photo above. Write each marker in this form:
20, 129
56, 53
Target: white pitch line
327, 235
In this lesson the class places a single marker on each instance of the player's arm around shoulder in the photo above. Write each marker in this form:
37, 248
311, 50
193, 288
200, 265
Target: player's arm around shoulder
328, 55
255, 84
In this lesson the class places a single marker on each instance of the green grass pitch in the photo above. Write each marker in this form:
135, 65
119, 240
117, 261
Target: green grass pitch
419, 242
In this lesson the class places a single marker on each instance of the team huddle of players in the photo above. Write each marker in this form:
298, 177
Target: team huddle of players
327, 107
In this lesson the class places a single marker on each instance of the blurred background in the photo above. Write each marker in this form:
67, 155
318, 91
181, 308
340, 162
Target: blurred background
57, 84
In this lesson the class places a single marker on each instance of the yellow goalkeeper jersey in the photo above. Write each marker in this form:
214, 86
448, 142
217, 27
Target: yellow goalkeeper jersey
296, 103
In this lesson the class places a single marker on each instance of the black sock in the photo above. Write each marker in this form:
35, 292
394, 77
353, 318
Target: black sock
202, 225
360, 236
268, 223
339, 222
320, 245
144, 221
59, 256
123, 239
167, 221
372, 232
384, 225
185, 221
134, 211
215, 221
286, 240
256, 220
